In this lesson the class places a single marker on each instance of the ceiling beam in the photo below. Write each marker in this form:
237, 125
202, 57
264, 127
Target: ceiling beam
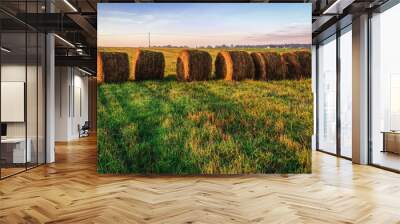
79, 61
337, 7
86, 27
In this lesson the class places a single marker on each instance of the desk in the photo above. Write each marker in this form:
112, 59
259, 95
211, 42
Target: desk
391, 141
13, 150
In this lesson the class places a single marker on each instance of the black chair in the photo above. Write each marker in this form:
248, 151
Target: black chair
84, 130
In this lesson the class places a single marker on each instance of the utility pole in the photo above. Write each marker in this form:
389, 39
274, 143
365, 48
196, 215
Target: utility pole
149, 40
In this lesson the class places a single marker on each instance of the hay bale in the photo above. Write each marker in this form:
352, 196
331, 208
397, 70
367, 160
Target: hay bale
294, 69
276, 67
100, 78
193, 65
268, 66
148, 65
234, 65
304, 58
114, 67
259, 65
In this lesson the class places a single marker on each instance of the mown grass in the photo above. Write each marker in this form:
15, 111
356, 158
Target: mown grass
213, 127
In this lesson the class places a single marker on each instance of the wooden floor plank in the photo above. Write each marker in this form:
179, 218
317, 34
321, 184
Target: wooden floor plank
70, 191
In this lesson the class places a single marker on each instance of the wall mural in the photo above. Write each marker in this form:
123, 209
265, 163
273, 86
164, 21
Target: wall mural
189, 89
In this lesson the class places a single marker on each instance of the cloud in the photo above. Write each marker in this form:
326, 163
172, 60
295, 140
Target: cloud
291, 34
132, 20
116, 13
115, 17
117, 20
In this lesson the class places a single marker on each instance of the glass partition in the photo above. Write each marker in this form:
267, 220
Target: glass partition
385, 89
327, 95
346, 92
14, 153
22, 77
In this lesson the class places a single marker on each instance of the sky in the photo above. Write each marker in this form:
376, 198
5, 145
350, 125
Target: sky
201, 24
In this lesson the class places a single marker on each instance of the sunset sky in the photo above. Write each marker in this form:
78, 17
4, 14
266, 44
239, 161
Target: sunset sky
191, 24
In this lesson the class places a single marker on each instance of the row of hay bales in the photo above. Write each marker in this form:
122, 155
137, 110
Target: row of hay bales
114, 66
196, 65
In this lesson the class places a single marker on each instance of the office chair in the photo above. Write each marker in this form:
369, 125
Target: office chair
84, 130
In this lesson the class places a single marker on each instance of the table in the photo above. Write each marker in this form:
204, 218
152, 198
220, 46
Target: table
391, 141
13, 150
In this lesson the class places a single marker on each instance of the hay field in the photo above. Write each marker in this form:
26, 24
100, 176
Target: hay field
207, 127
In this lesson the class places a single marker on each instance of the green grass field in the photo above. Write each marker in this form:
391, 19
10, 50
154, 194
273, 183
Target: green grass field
211, 127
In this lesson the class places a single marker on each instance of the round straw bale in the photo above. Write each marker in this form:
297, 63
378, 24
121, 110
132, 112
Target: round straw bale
148, 65
234, 65
99, 69
304, 58
268, 66
294, 69
259, 65
193, 65
115, 67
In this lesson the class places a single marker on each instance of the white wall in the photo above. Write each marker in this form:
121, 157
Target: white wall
70, 84
62, 82
80, 109
16, 73
13, 72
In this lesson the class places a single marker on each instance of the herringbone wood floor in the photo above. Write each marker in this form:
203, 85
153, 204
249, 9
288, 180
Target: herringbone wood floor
70, 191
